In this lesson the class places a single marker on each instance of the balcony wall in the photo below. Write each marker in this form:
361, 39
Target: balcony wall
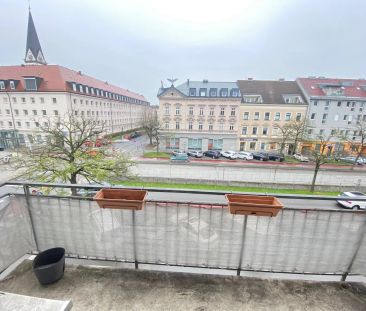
315, 241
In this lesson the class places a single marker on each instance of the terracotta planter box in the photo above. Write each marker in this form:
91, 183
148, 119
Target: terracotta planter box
255, 205
121, 198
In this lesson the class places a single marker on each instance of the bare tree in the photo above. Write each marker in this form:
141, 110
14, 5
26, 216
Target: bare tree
357, 142
320, 156
150, 124
65, 157
292, 132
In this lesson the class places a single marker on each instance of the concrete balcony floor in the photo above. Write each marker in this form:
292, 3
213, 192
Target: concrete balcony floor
96, 288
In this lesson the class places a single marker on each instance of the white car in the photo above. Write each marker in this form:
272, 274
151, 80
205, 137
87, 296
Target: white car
245, 155
352, 204
301, 158
229, 154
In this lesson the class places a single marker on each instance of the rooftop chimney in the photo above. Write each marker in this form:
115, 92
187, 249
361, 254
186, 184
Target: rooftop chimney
187, 81
205, 81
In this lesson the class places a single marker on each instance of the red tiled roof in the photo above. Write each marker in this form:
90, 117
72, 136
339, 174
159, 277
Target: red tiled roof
54, 78
312, 86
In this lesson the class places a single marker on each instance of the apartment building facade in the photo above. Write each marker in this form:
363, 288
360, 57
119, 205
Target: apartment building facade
34, 94
335, 108
199, 115
265, 107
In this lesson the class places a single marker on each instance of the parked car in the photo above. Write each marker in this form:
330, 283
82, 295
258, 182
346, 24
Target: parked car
261, 156
360, 160
301, 158
179, 157
229, 154
214, 154
276, 157
195, 153
174, 152
352, 204
245, 155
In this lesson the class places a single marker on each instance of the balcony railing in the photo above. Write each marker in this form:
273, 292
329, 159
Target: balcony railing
190, 234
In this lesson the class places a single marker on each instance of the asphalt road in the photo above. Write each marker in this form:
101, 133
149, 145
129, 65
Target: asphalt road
134, 147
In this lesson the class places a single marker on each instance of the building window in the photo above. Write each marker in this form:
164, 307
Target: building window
54, 100
74, 87
232, 111
267, 116
278, 116
332, 132
190, 112
244, 130
254, 131
42, 100
252, 145
212, 110
166, 109
80, 88
23, 100
210, 127
231, 127
221, 126
25, 111
325, 115
7, 111
177, 125
203, 92
263, 146
222, 111
339, 104
44, 112
224, 92
30, 84
310, 131
86, 90
275, 131
19, 124
10, 123
190, 125
288, 116
200, 126
15, 101
298, 116
345, 117
312, 117
192, 92
166, 125
16, 112
246, 115
2, 85
336, 117
213, 92
201, 111
37, 124
256, 115
12, 85
315, 103
265, 131
326, 107
177, 110
33, 101
55, 112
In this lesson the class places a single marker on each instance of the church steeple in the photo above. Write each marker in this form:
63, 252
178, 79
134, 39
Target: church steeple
33, 52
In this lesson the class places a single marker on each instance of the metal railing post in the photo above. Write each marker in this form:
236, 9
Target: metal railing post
358, 246
134, 239
242, 244
27, 195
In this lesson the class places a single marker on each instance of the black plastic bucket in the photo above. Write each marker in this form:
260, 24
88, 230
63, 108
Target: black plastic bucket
49, 265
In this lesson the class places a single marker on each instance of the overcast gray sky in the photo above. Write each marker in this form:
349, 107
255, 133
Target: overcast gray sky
136, 44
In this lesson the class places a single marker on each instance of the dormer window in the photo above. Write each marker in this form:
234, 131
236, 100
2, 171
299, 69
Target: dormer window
81, 88
203, 92
213, 92
74, 88
86, 90
30, 84
224, 92
12, 85
252, 99
293, 99
92, 90
97, 92
2, 85
192, 92
234, 92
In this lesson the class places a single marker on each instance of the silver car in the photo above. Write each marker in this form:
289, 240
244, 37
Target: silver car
352, 204
245, 155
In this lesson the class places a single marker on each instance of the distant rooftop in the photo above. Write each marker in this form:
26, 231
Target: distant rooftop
321, 86
206, 88
271, 92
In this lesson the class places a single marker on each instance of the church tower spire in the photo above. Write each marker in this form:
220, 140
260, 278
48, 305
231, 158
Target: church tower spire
33, 51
